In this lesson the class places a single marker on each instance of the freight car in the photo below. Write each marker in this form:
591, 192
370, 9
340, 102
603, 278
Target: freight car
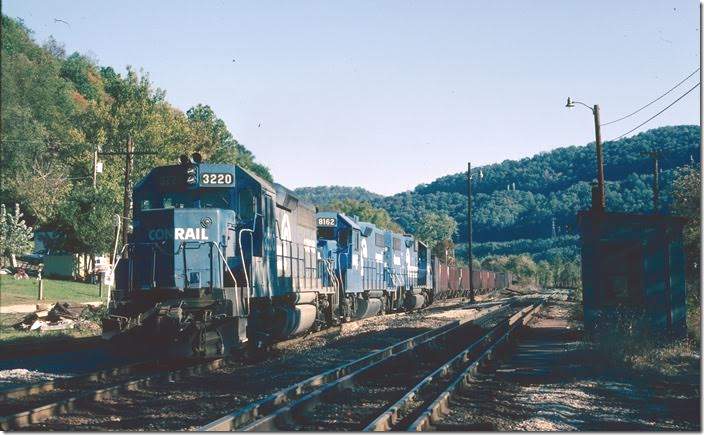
220, 259
453, 281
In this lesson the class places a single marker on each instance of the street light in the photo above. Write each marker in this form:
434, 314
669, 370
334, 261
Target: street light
599, 149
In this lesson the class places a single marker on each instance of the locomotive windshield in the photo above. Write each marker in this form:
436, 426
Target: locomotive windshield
167, 200
215, 198
203, 198
326, 233
178, 200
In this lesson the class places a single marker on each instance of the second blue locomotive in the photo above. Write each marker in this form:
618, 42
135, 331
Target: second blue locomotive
379, 271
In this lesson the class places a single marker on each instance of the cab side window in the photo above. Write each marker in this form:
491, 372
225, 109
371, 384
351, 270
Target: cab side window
177, 200
246, 204
145, 204
343, 237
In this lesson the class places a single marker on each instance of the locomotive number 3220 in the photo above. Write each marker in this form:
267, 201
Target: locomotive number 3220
216, 179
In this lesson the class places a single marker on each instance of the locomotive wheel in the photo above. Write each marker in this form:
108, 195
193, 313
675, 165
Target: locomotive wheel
209, 343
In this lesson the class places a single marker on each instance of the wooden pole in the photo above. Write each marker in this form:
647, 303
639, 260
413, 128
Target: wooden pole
599, 158
127, 197
469, 230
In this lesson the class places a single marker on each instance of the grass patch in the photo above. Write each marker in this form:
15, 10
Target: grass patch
627, 347
24, 291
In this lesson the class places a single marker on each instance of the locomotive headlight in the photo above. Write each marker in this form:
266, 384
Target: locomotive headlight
191, 175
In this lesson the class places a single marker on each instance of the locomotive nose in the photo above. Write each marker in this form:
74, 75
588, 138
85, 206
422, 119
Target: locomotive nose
181, 248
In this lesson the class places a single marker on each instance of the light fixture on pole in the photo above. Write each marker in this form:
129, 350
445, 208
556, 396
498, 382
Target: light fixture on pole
599, 149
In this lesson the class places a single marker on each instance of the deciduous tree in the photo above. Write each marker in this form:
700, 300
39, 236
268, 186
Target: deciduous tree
15, 235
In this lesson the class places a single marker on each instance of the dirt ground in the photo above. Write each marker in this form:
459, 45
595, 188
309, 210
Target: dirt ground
552, 382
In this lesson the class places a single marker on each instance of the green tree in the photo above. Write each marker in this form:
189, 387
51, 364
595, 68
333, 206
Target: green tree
523, 267
569, 276
496, 263
85, 220
15, 235
544, 273
211, 137
435, 228
366, 212
55, 110
686, 195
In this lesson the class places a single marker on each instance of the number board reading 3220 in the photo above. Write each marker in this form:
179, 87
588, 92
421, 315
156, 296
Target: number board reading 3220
215, 179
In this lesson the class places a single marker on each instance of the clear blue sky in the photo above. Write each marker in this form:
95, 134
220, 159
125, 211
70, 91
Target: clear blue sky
389, 94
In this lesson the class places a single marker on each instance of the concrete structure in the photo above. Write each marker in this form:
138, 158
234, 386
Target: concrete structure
633, 265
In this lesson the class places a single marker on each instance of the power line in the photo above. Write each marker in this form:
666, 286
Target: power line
657, 114
654, 101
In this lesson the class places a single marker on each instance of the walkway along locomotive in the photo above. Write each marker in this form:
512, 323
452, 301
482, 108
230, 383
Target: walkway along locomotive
220, 258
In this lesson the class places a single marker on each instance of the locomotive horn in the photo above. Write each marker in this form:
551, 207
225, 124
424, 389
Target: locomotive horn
197, 157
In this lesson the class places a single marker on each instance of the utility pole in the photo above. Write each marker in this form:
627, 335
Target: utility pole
469, 230
600, 204
95, 167
655, 155
656, 184
599, 158
129, 154
127, 195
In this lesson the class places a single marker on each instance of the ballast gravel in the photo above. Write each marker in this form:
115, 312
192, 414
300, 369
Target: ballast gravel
196, 400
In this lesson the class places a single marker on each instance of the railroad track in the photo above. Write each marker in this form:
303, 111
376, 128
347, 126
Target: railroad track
26, 405
29, 405
372, 393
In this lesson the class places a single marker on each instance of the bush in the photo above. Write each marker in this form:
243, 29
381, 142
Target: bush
629, 345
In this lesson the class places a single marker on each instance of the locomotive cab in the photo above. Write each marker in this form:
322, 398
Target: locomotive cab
340, 242
218, 257
176, 279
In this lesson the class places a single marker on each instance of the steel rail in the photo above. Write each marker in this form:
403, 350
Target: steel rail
286, 416
48, 386
103, 374
441, 405
390, 418
263, 413
38, 414
42, 412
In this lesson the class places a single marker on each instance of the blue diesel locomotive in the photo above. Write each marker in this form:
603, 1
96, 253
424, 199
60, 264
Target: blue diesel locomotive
380, 271
219, 258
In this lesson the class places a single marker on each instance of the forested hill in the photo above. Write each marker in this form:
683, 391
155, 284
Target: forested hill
518, 199
322, 195
563, 167
58, 107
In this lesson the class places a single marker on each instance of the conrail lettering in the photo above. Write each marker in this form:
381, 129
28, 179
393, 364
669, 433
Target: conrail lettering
179, 234
190, 234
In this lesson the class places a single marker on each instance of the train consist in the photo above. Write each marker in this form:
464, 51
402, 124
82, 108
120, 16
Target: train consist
220, 258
